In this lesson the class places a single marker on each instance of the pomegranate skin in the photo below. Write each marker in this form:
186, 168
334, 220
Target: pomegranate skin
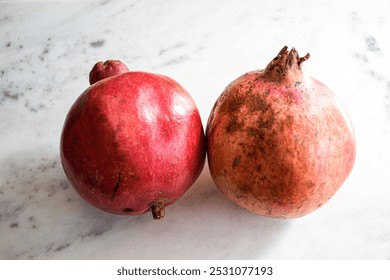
133, 142
279, 143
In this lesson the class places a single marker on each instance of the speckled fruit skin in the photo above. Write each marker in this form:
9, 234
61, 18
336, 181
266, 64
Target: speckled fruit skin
279, 143
132, 142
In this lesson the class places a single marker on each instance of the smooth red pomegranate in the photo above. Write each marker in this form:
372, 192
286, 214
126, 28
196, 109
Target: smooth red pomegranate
132, 141
279, 143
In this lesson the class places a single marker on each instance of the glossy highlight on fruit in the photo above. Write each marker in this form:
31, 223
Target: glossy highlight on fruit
133, 141
279, 143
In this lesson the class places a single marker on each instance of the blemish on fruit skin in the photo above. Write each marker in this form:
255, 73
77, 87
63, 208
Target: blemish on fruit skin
116, 187
253, 102
233, 126
236, 161
103, 118
230, 105
310, 184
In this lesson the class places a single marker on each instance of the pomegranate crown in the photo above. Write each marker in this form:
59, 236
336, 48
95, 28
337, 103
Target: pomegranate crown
287, 64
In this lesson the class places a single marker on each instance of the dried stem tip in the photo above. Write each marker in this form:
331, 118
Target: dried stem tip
286, 63
290, 58
158, 210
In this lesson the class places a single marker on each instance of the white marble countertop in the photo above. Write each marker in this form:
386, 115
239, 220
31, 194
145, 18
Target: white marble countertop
46, 52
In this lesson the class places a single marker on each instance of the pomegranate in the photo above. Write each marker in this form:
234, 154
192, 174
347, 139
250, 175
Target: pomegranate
132, 141
279, 143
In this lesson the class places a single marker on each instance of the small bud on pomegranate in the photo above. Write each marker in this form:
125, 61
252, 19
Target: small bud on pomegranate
279, 143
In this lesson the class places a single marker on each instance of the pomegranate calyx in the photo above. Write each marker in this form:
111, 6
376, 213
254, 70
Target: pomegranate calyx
286, 66
108, 68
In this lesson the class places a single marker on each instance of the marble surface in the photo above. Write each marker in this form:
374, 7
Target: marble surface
46, 52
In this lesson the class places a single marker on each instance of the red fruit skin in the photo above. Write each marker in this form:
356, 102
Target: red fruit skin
132, 142
279, 148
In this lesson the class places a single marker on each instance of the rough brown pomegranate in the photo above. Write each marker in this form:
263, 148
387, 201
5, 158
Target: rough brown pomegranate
279, 143
133, 141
